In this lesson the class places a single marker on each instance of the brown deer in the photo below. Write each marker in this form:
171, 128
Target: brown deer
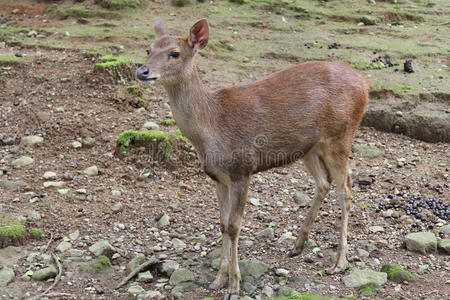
310, 111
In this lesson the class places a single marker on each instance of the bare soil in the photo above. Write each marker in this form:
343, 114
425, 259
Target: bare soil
56, 93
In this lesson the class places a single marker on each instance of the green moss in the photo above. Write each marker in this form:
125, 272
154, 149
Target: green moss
10, 58
397, 274
78, 12
133, 90
162, 140
368, 289
120, 4
36, 233
117, 66
366, 151
168, 122
99, 265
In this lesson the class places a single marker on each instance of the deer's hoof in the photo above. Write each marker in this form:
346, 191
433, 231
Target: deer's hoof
335, 270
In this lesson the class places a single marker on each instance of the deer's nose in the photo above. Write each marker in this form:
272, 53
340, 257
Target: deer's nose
143, 73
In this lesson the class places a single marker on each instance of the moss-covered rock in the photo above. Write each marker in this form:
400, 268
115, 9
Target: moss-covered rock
369, 289
120, 4
397, 274
117, 66
99, 265
160, 142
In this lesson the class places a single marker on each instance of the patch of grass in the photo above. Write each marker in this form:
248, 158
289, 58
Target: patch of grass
36, 233
161, 141
120, 4
78, 12
168, 122
10, 59
11, 230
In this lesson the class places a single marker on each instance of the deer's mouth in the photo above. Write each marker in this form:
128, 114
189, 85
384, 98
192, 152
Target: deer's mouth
145, 75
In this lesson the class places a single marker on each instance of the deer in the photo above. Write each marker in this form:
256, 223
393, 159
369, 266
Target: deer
308, 112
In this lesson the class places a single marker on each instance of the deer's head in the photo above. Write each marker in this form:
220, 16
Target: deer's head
170, 58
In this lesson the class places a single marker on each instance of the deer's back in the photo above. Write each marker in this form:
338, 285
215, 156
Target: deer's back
293, 109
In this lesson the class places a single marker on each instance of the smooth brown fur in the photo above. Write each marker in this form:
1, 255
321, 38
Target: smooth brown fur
310, 111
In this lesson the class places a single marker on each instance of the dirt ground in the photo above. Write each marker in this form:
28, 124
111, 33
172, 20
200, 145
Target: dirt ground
54, 92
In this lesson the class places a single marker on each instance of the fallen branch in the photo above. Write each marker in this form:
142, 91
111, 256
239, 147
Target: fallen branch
48, 243
133, 273
57, 278
52, 295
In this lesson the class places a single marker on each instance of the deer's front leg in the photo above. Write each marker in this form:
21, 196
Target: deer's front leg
238, 197
223, 194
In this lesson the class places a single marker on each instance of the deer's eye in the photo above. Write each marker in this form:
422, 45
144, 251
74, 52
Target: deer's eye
148, 52
174, 54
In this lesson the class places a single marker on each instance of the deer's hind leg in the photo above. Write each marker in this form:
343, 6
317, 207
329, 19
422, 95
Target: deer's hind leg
316, 166
336, 155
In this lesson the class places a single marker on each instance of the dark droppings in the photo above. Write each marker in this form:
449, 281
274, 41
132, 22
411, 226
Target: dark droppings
407, 66
416, 205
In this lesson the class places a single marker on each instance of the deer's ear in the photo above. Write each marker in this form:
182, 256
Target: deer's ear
198, 35
159, 30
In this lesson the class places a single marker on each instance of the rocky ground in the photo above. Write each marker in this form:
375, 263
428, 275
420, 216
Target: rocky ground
75, 212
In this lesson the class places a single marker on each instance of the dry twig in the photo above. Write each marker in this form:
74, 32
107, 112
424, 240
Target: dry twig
143, 266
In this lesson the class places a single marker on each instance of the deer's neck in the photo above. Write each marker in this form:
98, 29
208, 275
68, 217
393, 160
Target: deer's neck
193, 109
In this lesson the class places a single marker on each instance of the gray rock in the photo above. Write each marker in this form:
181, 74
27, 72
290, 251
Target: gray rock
285, 291
215, 263
153, 294
164, 220
248, 287
77, 252
45, 273
48, 184
444, 245
91, 171
253, 268
299, 281
281, 272
117, 207
181, 275
178, 244
366, 151
268, 291
136, 290
6, 276
310, 243
32, 140
88, 142
446, 229
102, 247
150, 125
34, 215
362, 252
422, 242
198, 239
369, 20
266, 234
63, 246
286, 237
49, 175
302, 199
74, 235
22, 161
145, 277
246, 298
76, 145
183, 287
168, 267
361, 277
376, 228
10, 185
136, 262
